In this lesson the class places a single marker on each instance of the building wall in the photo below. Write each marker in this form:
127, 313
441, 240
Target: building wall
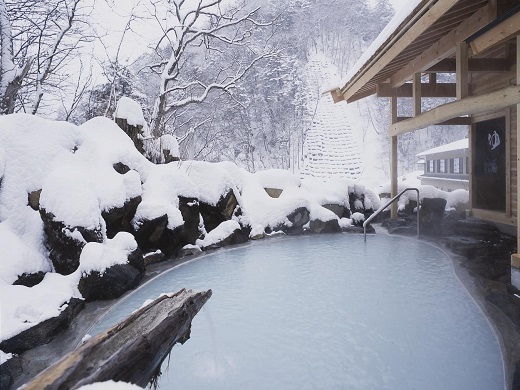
487, 82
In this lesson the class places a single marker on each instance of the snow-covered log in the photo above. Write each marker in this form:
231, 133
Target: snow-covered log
132, 350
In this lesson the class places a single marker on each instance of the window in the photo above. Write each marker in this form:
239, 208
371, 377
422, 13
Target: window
431, 166
456, 165
441, 164
467, 165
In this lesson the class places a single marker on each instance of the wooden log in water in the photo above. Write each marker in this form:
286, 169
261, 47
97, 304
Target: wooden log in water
132, 350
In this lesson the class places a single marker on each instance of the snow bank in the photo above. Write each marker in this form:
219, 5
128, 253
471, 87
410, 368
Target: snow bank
24, 307
277, 178
17, 256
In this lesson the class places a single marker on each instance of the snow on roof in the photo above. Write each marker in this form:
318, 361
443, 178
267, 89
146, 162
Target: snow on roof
402, 13
457, 145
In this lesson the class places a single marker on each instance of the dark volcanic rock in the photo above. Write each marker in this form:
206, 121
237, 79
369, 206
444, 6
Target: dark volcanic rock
155, 234
43, 332
238, 236
431, 215
10, 371
118, 219
318, 226
33, 199
476, 228
30, 280
150, 232
121, 168
222, 211
65, 244
189, 208
298, 219
111, 284
338, 210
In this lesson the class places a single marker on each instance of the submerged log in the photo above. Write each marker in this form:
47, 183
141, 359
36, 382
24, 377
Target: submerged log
131, 351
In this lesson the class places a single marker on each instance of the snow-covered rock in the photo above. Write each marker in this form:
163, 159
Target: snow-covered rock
78, 204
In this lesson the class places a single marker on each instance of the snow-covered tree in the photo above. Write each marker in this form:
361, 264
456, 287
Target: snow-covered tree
38, 38
212, 28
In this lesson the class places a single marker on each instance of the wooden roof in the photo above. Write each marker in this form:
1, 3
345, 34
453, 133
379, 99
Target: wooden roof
423, 39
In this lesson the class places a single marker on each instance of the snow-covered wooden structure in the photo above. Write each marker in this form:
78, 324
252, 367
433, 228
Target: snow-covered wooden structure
447, 166
478, 42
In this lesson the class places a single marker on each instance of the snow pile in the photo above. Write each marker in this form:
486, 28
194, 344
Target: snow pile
130, 110
455, 199
211, 180
100, 256
161, 193
277, 178
221, 232
24, 307
169, 142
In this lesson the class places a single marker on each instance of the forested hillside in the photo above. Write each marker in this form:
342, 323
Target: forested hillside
226, 78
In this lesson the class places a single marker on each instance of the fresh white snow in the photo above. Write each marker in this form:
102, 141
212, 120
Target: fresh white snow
74, 168
456, 145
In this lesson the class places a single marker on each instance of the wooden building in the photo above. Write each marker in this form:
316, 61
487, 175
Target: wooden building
478, 41
447, 166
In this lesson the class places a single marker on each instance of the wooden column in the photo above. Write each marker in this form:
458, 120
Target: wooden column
462, 70
416, 93
393, 158
515, 257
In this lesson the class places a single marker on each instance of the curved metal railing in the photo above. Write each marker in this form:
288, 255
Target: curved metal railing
382, 208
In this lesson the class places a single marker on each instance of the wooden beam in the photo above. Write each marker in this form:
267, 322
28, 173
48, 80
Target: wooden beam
462, 70
458, 121
492, 101
427, 90
416, 92
502, 32
369, 70
475, 65
361, 95
393, 159
444, 46
515, 258
336, 95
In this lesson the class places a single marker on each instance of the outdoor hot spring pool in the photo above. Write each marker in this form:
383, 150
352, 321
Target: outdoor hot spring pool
327, 312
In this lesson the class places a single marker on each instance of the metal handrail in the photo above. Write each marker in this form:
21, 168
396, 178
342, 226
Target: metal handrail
382, 208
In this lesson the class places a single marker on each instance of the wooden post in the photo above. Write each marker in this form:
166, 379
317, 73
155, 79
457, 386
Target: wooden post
416, 91
462, 70
393, 157
515, 257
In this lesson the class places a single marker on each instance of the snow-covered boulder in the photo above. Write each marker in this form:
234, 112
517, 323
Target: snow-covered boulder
226, 233
219, 198
110, 269
43, 332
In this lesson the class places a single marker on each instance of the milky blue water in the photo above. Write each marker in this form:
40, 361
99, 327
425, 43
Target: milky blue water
328, 312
